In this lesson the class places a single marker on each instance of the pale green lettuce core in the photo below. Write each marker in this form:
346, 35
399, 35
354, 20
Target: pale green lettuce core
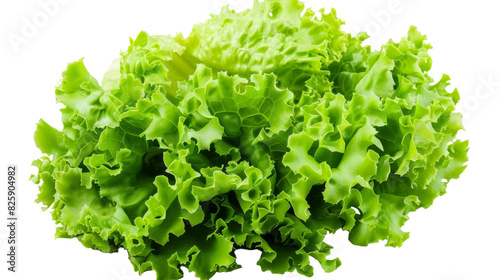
265, 129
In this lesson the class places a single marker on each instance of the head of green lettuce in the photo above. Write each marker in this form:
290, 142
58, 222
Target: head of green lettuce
265, 129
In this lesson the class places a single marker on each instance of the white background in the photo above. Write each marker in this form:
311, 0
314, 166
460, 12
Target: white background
456, 239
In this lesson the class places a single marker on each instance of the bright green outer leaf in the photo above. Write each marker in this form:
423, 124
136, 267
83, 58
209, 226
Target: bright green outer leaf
270, 37
262, 130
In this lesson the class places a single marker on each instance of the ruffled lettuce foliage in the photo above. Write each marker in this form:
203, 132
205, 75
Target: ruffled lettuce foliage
265, 129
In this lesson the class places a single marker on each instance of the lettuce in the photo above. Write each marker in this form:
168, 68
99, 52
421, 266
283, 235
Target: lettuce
265, 130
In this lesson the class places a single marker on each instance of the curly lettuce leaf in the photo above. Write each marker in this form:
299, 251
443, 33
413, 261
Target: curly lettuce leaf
262, 130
